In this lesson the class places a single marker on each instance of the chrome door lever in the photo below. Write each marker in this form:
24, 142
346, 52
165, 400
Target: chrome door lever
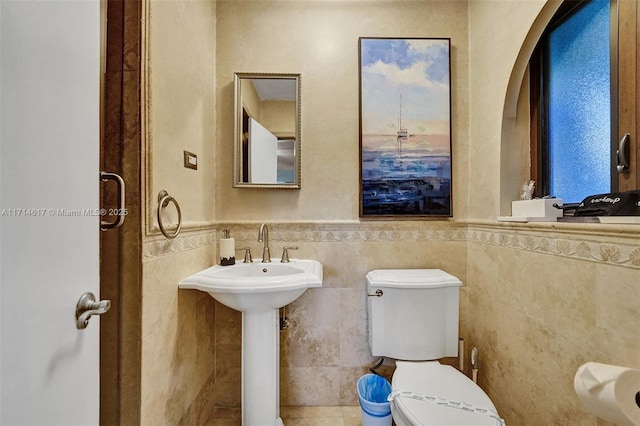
87, 306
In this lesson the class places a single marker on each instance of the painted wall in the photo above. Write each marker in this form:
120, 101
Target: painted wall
250, 100
279, 117
182, 97
319, 40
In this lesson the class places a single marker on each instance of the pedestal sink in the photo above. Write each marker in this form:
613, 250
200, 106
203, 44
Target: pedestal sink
258, 290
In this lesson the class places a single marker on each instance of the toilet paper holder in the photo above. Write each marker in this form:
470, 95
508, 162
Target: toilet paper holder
610, 392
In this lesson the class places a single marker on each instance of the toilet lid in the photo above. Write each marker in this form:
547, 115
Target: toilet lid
443, 383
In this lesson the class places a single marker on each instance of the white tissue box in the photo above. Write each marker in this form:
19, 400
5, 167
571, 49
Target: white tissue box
540, 207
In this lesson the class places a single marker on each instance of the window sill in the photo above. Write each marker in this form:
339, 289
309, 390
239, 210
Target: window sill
619, 220
568, 224
525, 219
602, 219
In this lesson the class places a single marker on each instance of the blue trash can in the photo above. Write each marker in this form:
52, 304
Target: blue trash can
373, 391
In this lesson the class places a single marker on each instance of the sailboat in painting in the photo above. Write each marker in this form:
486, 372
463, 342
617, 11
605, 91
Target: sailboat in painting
402, 135
403, 132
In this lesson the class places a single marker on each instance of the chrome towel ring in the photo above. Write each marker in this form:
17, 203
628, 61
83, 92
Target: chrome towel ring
163, 201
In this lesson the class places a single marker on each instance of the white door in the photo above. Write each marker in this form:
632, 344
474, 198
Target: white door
263, 154
49, 191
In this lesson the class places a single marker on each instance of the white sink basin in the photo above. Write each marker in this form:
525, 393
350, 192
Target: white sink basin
257, 286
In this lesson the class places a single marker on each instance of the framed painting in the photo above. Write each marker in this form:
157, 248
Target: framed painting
405, 127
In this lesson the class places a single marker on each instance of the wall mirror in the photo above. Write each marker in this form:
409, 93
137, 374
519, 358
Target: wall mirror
267, 130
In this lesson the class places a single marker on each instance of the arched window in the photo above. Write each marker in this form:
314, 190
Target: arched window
583, 99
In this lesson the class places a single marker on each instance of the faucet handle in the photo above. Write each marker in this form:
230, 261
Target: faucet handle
247, 254
285, 253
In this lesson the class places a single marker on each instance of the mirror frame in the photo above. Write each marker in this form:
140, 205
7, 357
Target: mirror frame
237, 132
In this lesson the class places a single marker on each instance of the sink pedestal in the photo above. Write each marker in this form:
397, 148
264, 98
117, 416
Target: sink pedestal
258, 290
261, 368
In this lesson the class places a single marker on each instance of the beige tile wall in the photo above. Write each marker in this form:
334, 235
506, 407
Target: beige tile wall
538, 301
178, 337
523, 303
325, 349
540, 304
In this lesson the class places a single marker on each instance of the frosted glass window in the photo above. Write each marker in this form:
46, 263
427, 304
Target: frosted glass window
580, 104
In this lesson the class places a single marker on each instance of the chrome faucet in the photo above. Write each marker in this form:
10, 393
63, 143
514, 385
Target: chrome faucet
263, 235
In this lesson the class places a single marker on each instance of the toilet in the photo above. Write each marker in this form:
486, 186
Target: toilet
413, 318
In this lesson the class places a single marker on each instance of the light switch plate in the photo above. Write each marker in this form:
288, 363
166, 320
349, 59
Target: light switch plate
190, 160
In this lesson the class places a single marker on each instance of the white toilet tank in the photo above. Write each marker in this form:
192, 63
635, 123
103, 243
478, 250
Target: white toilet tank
416, 317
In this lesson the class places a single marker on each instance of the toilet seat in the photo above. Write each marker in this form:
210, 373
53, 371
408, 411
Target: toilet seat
433, 379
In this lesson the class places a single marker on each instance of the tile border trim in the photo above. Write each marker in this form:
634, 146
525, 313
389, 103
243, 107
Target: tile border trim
601, 249
159, 246
609, 248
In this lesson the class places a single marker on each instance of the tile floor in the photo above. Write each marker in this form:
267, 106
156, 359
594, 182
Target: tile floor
297, 416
